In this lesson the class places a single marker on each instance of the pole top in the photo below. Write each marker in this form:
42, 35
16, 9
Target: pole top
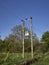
22, 20
30, 17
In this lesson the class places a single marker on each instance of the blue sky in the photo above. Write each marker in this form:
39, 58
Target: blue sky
12, 11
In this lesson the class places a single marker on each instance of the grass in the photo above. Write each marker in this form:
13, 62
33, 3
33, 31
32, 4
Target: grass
44, 60
14, 58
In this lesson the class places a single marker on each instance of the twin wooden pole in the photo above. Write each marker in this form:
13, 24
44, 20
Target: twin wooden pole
30, 36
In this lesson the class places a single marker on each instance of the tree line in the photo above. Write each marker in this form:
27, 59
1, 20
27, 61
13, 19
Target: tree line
13, 42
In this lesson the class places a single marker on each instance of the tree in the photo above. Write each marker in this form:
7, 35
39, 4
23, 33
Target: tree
45, 39
17, 31
1, 43
15, 40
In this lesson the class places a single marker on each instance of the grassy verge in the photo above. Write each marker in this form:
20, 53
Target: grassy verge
14, 58
44, 60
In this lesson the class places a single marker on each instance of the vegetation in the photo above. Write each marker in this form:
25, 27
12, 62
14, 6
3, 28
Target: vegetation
11, 48
44, 60
45, 39
13, 42
14, 58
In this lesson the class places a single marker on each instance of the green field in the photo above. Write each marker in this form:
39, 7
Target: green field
44, 60
13, 58
16, 58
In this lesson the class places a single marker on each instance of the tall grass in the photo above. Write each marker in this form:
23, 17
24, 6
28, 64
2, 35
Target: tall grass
14, 58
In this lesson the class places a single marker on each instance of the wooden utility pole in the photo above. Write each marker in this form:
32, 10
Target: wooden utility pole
23, 38
31, 36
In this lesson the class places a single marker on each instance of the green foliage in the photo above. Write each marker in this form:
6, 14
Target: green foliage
44, 60
27, 45
14, 58
1, 43
45, 38
13, 42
